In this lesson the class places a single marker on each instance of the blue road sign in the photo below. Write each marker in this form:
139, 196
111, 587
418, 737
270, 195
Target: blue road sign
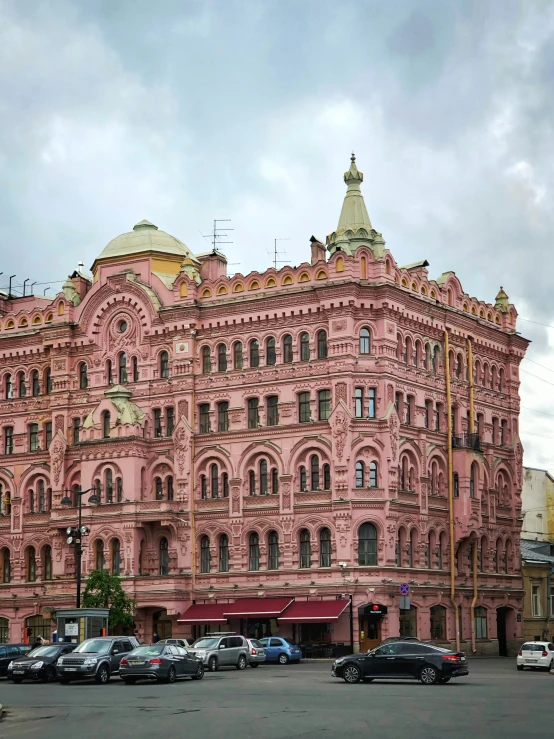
404, 588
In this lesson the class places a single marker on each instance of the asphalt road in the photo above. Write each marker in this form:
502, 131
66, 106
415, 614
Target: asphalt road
277, 702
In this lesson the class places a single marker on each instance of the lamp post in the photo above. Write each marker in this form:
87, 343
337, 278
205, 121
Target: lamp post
74, 535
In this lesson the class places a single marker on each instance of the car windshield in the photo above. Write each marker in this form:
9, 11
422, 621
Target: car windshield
44, 652
205, 643
533, 647
149, 651
98, 646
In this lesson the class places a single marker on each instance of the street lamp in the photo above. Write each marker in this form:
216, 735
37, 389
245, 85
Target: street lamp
74, 535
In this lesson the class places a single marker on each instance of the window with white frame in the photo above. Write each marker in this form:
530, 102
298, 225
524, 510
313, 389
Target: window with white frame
536, 610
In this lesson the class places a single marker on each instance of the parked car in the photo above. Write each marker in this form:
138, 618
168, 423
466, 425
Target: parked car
256, 653
221, 650
39, 664
401, 660
177, 642
9, 652
536, 655
95, 659
159, 661
281, 650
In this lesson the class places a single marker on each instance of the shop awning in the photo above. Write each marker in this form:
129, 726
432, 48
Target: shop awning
204, 613
310, 611
256, 607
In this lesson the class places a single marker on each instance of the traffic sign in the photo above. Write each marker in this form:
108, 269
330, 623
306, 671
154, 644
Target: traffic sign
404, 588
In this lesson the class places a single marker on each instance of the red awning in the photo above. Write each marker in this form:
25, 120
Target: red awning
256, 607
204, 613
308, 611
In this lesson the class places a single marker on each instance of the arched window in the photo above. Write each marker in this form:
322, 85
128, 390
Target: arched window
302, 475
106, 424
237, 355
508, 552
164, 556
206, 360
274, 481
263, 477
327, 477
438, 623
47, 562
164, 364
459, 367
426, 357
225, 483
22, 387
169, 485
221, 358
35, 383
314, 472
252, 482
322, 344
473, 480
254, 353
305, 549
456, 485
273, 551
304, 347
254, 552
99, 555
135, 369
367, 545
480, 620
109, 486
8, 387
373, 474
41, 497
400, 545
287, 349
203, 487
205, 555
436, 355
83, 376
123, 369
116, 556
224, 553
31, 565
141, 567
325, 548
158, 484
365, 341
412, 548
270, 354
360, 474
214, 480
6, 571
404, 473
48, 381
431, 545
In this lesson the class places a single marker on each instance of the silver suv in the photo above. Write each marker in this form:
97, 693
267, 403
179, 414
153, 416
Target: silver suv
225, 649
96, 659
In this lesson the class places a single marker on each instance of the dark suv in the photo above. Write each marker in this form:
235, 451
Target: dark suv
95, 659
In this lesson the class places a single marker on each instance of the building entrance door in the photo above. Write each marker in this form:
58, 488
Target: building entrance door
501, 631
370, 618
161, 625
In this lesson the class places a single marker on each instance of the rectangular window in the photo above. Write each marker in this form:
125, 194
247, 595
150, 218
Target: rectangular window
272, 410
169, 420
33, 437
438, 411
76, 430
223, 416
323, 404
536, 610
409, 402
48, 433
304, 414
204, 414
8, 440
157, 422
372, 393
253, 414
428, 413
359, 402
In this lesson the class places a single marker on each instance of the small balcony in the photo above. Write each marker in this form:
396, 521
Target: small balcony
467, 441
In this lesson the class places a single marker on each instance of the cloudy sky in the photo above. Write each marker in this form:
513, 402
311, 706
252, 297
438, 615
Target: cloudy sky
181, 112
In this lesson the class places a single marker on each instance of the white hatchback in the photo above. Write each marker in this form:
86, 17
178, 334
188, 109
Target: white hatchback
536, 654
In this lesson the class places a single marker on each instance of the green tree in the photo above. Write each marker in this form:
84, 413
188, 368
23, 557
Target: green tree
103, 590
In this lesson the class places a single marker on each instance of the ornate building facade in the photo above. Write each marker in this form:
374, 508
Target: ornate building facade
273, 453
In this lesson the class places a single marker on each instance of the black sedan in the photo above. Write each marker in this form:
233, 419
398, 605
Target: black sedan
402, 660
40, 664
160, 662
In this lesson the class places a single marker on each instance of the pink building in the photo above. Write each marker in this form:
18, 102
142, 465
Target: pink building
279, 435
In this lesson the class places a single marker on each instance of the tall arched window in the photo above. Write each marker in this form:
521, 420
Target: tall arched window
305, 549
373, 482
274, 481
205, 556
22, 386
473, 480
8, 387
203, 487
47, 562
116, 556
237, 355
83, 376
254, 552
206, 360
400, 544
225, 483
302, 473
100, 560
252, 482
164, 364
412, 548
263, 477
224, 553
164, 556
322, 344
222, 358
106, 424
327, 477
359, 474
214, 480
273, 551
109, 486
158, 485
6, 571
404, 473
123, 369
367, 545
41, 497
169, 485
270, 353
135, 369
304, 347
48, 381
35, 383
254, 353
365, 341
431, 546
31, 564
459, 367
287, 349
314, 472
325, 548
436, 357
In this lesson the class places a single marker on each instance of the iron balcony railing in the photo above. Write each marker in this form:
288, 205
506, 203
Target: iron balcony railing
467, 441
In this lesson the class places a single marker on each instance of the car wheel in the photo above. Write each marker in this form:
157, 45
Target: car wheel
254, 664
520, 668
50, 675
171, 675
129, 680
102, 675
212, 664
351, 674
199, 674
283, 659
241, 664
428, 675
16, 680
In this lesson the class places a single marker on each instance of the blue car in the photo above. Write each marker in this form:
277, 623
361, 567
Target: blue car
280, 650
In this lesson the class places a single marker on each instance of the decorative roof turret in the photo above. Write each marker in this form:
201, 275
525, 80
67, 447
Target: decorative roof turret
502, 301
354, 227
70, 292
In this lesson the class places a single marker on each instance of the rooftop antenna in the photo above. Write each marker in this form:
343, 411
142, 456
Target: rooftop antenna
277, 254
216, 237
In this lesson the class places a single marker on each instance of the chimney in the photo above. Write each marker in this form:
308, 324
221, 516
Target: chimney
318, 250
82, 284
212, 265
